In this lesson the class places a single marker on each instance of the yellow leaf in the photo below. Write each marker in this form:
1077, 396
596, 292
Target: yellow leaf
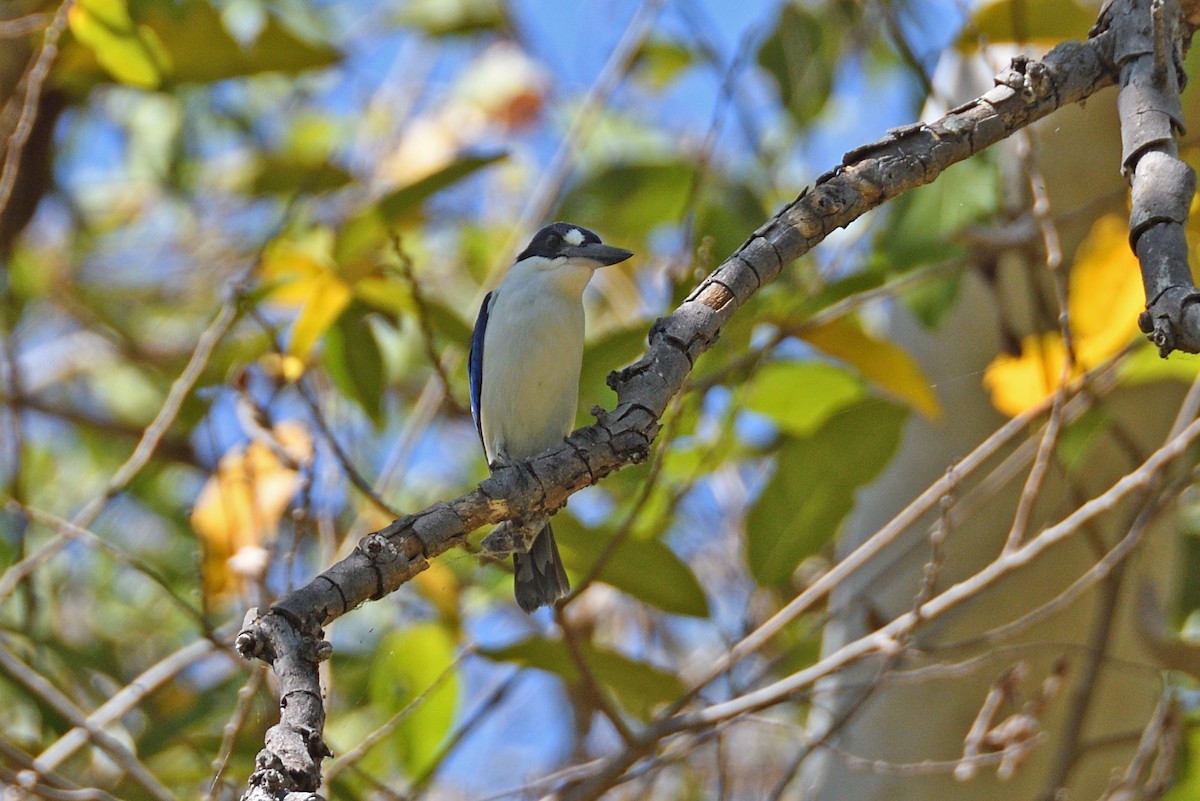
1105, 292
288, 264
241, 505
131, 53
326, 297
881, 362
283, 368
1017, 383
1104, 298
302, 272
441, 587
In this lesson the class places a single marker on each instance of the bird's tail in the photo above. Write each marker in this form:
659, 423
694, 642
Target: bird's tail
540, 579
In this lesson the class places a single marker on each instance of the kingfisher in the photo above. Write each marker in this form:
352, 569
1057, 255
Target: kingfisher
526, 355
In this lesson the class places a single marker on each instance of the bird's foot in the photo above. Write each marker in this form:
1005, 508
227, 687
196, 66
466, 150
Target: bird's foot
513, 536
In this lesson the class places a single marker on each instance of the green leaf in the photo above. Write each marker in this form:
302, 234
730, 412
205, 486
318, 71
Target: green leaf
800, 397
1145, 366
813, 487
925, 221
660, 61
1186, 785
726, 213
630, 198
404, 202
363, 233
925, 227
638, 687
456, 17
286, 175
645, 568
1077, 439
611, 352
168, 43
448, 324
802, 53
354, 361
407, 663
204, 51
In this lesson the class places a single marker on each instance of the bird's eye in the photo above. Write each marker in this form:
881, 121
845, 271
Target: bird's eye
554, 241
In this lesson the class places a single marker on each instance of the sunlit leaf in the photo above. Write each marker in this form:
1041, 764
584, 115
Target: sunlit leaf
813, 488
408, 663
289, 264
1045, 22
638, 687
455, 17
1104, 299
241, 505
326, 298
659, 61
645, 568
1017, 383
130, 52
800, 396
203, 50
1105, 292
886, 365
164, 44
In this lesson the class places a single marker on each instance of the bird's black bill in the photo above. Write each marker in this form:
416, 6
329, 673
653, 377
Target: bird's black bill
604, 254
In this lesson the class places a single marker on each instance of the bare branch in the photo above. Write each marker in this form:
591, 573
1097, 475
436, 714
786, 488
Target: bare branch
868, 176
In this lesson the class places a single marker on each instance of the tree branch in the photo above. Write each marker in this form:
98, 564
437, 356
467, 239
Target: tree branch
1154, 37
868, 176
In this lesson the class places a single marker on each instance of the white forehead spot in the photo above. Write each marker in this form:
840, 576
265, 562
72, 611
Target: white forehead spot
574, 237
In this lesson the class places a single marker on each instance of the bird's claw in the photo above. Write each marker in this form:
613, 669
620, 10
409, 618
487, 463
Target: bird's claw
513, 536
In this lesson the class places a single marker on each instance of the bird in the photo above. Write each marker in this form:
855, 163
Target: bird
526, 354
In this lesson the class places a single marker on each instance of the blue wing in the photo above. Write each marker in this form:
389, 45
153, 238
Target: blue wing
475, 362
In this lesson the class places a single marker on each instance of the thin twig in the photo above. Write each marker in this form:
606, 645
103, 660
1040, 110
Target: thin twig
23, 26
127, 699
405, 267
1040, 209
46, 790
583, 123
352, 756
883, 640
594, 690
318, 416
489, 703
68, 532
233, 727
33, 92
46, 692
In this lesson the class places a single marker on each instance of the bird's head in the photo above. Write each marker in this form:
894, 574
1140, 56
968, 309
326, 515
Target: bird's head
568, 254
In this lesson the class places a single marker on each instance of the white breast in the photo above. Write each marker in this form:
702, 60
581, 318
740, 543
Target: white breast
532, 352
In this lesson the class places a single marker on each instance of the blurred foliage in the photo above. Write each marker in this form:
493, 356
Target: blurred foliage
347, 181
